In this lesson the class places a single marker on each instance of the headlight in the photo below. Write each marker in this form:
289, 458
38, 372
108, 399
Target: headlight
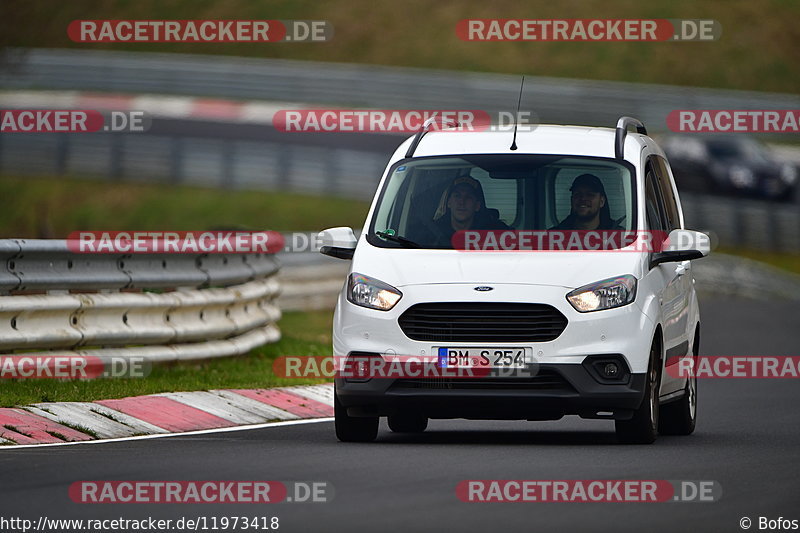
789, 174
606, 294
742, 177
369, 292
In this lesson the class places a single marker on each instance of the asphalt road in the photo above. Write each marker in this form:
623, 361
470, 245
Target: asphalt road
747, 439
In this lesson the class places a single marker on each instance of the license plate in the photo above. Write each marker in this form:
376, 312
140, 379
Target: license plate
482, 357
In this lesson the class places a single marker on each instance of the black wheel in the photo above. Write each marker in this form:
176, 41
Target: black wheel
352, 428
680, 417
642, 428
408, 423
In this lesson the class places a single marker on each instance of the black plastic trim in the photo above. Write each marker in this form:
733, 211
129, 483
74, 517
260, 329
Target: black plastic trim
593, 364
338, 253
585, 396
674, 256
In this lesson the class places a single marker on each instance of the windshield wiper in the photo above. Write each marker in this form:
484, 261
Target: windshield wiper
390, 236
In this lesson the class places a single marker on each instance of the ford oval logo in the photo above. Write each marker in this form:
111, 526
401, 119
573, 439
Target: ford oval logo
484, 288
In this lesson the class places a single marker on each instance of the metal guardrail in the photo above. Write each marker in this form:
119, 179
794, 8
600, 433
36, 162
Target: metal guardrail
43, 264
119, 319
222, 305
224, 163
738, 222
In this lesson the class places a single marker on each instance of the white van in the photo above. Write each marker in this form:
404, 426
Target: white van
588, 331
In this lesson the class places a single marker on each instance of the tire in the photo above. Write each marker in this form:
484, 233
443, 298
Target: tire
408, 423
642, 428
352, 428
680, 417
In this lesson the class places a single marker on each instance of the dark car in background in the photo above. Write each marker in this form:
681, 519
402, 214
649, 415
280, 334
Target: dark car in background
733, 165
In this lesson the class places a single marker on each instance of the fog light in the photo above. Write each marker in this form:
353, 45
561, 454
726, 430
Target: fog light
358, 367
361, 368
610, 370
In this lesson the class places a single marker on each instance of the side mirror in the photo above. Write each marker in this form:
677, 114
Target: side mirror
682, 245
337, 242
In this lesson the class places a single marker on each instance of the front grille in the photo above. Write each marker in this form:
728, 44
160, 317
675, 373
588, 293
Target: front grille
544, 380
482, 322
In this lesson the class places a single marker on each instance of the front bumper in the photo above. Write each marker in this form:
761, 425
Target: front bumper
555, 391
571, 388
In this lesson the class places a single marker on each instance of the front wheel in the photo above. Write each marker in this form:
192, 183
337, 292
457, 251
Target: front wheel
352, 428
642, 428
680, 417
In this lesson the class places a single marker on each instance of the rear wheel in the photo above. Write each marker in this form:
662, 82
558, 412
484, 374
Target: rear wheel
408, 423
352, 428
680, 417
642, 428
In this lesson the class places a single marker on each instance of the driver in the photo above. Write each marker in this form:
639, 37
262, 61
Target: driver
589, 206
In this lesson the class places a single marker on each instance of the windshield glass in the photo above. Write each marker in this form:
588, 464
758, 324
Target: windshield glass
426, 200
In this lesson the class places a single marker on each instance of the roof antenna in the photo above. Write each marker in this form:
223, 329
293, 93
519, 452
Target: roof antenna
514, 142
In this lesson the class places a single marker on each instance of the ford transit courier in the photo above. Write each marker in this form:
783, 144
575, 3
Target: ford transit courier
539, 279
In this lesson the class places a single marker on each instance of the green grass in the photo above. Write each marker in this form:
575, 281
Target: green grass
757, 51
303, 334
79, 428
54, 207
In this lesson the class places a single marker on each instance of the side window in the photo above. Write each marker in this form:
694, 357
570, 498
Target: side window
655, 212
667, 194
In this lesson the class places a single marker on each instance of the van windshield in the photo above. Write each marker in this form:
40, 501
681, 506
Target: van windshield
426, 200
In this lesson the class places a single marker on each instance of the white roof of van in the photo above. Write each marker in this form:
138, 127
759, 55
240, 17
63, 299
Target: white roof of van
544, 139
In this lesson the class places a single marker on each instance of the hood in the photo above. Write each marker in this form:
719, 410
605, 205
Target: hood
405, 266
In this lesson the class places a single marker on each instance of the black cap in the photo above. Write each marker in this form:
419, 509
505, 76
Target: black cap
589, 181
466, 182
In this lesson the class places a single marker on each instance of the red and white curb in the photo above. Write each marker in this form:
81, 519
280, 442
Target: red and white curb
180, 107
172, 412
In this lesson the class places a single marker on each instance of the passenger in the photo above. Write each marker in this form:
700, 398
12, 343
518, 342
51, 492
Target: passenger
463, 207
